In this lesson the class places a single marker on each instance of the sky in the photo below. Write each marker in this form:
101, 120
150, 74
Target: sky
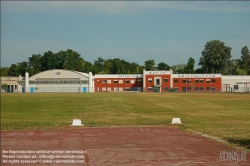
166, 31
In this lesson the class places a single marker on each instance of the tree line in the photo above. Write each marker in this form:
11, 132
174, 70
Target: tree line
215, 58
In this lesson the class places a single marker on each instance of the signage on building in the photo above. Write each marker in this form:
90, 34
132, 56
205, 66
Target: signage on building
58, 73
157, 72
198, 75
129, 76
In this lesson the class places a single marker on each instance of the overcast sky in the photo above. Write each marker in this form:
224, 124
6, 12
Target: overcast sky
165, 31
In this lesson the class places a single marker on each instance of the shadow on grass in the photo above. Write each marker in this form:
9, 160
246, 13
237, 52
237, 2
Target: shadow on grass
240, 142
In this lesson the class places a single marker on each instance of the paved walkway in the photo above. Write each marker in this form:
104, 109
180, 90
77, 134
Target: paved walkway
111, 146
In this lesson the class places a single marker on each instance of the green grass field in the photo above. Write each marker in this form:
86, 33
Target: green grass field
225, 115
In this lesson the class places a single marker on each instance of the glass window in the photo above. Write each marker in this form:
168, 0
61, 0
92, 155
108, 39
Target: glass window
213, 80
196, 81
127, 81
207, 80
207, 88
138, 81
183, 81
165, 88
157, 81
109, 81
201, 88
188, 88
201, 81
104, 82
150, 80
165, 80
236, 87
189, 81
150, 88
196, 88
120, 81
175, 81
132, 81
115, 81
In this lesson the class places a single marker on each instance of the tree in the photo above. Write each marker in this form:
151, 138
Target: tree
189, 68
13, 70
245, 60
163, 66
4, 71
215, 56
98, 65
149, 64
23, 67
179, 68
4, 86
49, 61
35, 64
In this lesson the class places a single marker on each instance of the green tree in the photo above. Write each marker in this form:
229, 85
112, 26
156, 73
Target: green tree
13, 70
49, 61
215, 56
163, 66
35, 64
179, 68
4, 86
149, 64
4, 71
23, 67
245, 60
98, 65
72, 61
189, 68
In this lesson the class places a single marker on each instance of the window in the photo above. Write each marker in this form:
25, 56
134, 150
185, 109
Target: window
183, 81
157, 81
213, 88
201, 88
103, 88
196, 88
175, 81
196, 81
139, 88
165, 80
104, 82
127, 88
165, 88
207, 80
108, 88
120, 88
32, 82
189, 81
127, 81
207, 88
150, 80
138, 81
150, 88
98, 81
236, 87
109, 81
188, 88
115, 81
120, 81
115, 89
213, 80
201, 81
85, 82
132, 81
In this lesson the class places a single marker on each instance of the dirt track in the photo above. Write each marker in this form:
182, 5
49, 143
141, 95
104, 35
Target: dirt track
151, 146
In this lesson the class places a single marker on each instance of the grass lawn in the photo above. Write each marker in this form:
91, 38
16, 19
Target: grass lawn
225, 115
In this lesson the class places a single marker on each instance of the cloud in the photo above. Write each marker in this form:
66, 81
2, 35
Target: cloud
120, 7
